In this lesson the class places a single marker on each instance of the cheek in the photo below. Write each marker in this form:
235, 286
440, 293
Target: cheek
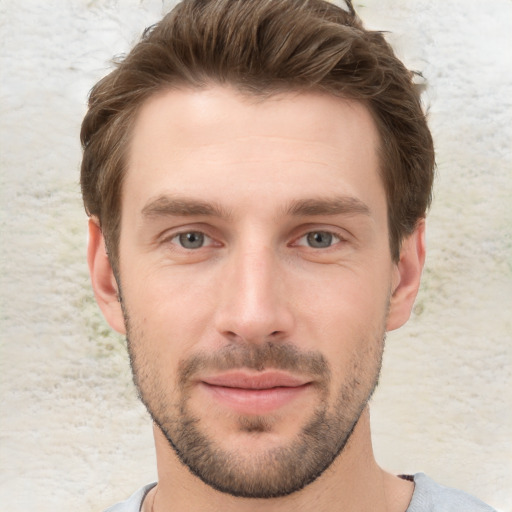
347, 299
347, 323
170, 311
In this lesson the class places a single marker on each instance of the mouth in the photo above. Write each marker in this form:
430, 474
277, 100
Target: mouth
255, 393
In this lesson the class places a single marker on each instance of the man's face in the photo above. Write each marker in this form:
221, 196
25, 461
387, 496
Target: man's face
255, 275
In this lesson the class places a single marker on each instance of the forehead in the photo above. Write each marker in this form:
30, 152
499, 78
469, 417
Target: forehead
203, 116
218, 144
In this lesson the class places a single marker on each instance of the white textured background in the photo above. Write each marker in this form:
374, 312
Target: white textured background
73, 436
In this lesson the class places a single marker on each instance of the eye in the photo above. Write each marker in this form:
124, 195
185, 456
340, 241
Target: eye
192, 239
319, 239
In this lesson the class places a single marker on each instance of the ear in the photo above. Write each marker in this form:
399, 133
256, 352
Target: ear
407, 277
102, 277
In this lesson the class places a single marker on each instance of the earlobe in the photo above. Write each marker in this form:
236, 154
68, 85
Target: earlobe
102, 277
408, 276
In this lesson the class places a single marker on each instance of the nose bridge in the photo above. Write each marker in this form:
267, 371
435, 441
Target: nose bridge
252, 306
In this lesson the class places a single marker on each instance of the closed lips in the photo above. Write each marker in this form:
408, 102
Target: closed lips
266, 380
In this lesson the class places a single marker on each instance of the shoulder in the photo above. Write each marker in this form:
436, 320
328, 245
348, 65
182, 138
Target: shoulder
133, 503
429, 496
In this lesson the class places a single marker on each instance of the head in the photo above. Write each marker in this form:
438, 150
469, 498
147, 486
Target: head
258, 173
284, 45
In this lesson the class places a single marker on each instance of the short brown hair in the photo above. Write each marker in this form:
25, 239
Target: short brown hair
262, 47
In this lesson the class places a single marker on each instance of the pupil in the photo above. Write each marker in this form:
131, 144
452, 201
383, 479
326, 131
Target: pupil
192, 240
319, 239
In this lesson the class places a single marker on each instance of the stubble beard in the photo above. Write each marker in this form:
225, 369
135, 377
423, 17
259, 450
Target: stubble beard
275, 472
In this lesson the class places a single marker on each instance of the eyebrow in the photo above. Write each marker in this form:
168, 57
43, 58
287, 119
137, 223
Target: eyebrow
343, 205
164, 206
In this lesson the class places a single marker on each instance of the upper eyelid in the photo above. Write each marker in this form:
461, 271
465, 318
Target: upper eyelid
213, 233
329, 231
340, 237
208, 240
184, 232
171, 233
169, 240
339, 232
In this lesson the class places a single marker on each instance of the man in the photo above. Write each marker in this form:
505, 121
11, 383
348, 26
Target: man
257, 175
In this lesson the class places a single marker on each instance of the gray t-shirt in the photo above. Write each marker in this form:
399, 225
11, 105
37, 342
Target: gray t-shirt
428, 496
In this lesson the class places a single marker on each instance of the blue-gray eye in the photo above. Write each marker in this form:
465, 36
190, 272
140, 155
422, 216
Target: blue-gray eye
191, 240
319, 239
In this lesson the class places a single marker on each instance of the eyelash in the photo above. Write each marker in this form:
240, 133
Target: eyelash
206, 241
333, 238
177, 239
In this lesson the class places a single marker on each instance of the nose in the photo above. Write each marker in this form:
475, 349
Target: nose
252, 305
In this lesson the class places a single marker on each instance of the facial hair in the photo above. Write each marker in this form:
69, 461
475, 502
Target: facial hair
277, 471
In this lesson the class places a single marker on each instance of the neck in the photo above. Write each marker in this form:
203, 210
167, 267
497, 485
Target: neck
354, 482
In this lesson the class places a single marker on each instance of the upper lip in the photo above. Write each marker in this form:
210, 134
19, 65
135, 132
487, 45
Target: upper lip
261, 380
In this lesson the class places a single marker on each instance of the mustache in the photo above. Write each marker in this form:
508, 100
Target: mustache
277, 356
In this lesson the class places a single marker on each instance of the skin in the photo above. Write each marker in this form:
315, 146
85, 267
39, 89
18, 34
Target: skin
257, 178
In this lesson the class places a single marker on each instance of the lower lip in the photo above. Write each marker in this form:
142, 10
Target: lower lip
255, 401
